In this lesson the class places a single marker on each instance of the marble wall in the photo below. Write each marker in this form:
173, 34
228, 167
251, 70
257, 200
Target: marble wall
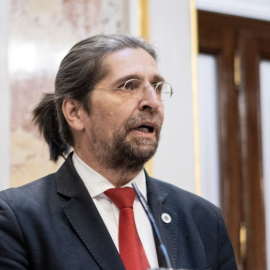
40, 34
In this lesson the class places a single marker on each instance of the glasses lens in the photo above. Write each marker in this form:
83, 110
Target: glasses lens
164, 91
132, 84
134, 87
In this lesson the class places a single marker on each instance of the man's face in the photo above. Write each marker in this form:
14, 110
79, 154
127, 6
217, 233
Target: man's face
120, 132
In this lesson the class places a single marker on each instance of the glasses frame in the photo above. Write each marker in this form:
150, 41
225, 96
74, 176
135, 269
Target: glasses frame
155, 86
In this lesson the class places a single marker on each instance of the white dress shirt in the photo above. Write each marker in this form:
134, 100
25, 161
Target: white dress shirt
96, 185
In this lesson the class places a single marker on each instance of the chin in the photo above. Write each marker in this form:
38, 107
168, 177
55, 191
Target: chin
131, 154
145, 151
145, 146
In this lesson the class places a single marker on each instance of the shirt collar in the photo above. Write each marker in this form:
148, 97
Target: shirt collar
96, 184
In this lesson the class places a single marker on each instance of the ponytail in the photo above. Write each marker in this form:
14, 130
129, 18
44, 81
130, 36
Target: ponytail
46, 119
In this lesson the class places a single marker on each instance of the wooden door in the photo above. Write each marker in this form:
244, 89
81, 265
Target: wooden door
239, 44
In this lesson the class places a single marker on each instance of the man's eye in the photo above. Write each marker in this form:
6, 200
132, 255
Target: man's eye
121, 86
132, 85
128, 86
158, 86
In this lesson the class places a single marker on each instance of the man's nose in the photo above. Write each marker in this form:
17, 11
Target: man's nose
150, 100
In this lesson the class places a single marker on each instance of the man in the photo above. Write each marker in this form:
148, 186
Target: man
107, 105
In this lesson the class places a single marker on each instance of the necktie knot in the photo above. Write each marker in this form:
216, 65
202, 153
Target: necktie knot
122, 197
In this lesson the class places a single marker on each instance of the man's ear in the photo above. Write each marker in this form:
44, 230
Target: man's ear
73, 112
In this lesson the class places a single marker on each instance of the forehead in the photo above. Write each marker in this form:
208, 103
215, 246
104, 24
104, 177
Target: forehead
129, 61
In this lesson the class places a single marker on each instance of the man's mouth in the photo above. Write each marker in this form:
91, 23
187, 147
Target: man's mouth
145, 129
143, 126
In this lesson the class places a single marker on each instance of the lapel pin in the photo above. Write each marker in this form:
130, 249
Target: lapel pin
166, 218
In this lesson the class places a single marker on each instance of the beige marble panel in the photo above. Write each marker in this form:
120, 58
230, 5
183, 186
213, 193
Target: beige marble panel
41, 33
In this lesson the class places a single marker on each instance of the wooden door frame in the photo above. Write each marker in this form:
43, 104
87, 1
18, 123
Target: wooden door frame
231, 39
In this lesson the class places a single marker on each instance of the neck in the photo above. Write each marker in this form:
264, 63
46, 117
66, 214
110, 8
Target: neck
117, 177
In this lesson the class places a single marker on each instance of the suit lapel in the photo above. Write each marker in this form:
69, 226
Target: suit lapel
180, 235
168, 231
83, 216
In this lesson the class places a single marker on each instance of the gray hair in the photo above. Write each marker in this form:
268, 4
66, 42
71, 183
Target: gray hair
79, 72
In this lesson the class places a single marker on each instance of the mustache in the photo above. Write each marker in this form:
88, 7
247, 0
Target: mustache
138, 120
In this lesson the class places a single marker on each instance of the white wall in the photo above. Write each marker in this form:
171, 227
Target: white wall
208, 109
170, 34
4, 96
265, 112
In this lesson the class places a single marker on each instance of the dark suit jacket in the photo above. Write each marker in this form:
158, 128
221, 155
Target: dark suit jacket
53, 224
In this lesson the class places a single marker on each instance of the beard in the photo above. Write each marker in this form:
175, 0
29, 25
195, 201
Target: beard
119, 153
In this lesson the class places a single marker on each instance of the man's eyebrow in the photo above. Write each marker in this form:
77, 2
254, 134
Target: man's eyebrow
156, 78
128, 77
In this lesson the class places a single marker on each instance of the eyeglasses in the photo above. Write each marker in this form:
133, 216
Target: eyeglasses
135, 88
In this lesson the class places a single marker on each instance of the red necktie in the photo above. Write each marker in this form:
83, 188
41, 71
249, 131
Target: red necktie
131, 250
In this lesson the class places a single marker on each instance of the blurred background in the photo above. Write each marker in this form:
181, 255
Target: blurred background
216, 136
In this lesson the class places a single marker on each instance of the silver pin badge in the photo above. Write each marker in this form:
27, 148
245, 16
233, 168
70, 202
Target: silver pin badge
166, 218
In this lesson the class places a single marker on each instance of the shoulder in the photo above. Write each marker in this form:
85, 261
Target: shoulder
182, 200
41, 190
29, 194
176, 192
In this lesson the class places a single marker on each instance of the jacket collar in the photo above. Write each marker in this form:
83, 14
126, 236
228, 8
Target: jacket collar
83, 216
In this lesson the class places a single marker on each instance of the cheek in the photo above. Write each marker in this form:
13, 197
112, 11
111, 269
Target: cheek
110, 113
109, 120
161, 112
102, 110
119, 110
